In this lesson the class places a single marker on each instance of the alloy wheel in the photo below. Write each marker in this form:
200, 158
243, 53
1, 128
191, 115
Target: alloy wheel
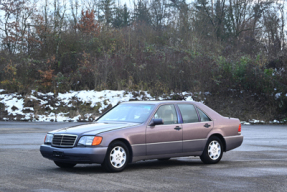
214, 150
118, 157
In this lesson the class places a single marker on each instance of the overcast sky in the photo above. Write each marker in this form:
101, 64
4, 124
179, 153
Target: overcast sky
41, 3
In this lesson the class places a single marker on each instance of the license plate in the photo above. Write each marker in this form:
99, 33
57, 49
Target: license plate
58, 154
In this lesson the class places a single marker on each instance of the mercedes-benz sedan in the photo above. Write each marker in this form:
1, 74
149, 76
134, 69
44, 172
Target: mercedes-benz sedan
141, 130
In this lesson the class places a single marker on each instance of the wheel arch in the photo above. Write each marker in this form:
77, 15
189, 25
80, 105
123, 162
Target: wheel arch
221, 139
128, 146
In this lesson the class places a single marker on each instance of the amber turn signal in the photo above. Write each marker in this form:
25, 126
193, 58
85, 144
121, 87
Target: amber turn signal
97, 140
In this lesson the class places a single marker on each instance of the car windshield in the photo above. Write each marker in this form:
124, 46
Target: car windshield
135, 113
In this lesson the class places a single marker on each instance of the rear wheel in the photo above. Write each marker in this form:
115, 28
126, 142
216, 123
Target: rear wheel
213, 151
117, 157
64, 165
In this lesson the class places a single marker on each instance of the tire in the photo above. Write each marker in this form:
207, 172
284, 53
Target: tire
64, 165
117, 157
164, 159
213, 151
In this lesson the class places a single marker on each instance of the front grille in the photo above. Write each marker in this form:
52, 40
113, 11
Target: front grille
64, 140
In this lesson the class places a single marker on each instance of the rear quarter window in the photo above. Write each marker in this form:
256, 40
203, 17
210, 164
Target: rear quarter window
203, 116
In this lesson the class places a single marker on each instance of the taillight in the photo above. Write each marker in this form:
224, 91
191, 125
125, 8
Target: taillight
239, 128
45, 138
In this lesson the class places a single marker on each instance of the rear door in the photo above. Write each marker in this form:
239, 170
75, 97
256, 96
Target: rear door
166, 138
196, 126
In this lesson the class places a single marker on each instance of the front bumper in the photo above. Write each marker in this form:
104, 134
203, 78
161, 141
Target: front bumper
75, 154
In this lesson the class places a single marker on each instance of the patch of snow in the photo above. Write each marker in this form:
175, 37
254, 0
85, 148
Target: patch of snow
32, 97
98, 98
14, 103
189, 98
49, 106
75, 119
277, 95
28, 108
42, 102
50, 94
1, 90
207, 93
245, 123
254, 121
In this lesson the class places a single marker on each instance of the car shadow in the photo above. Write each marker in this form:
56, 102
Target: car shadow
155, 164
140, 165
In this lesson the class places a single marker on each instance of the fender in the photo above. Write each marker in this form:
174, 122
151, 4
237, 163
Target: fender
217, 132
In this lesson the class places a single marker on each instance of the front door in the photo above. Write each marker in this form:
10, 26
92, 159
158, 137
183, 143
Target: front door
166, 138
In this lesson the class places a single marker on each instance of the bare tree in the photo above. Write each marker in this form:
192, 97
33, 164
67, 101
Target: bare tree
59, 15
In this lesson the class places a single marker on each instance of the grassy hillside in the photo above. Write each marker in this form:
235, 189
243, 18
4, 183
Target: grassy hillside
239, 59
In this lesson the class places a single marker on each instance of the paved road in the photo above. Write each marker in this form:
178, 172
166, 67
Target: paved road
260, 164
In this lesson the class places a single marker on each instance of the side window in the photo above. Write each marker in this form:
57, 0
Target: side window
202, 115
167, 113
188, 113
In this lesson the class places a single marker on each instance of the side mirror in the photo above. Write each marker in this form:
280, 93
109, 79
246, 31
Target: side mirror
156, 122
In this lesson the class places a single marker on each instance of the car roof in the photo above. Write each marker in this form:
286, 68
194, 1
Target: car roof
213, 114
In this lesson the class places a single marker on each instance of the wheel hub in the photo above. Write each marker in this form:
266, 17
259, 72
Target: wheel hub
214, 150
118, 157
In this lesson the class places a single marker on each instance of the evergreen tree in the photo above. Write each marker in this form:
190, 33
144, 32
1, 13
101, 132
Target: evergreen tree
126, 16
107, 7
122, 17
141, 13
183, 16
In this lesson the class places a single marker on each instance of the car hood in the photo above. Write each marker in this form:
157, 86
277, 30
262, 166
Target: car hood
93, 128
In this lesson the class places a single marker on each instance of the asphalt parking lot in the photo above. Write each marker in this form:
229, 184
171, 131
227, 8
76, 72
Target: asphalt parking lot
260, 164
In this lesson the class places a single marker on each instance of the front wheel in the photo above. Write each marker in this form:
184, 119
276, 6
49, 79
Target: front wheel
64, 165
213, 151
117, 157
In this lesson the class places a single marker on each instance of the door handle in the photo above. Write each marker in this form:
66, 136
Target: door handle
206, 125
177, 128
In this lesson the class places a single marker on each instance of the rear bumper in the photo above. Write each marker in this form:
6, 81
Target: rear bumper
233, 142
75, 154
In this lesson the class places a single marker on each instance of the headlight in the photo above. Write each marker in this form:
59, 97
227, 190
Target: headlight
90, 140
48, 139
